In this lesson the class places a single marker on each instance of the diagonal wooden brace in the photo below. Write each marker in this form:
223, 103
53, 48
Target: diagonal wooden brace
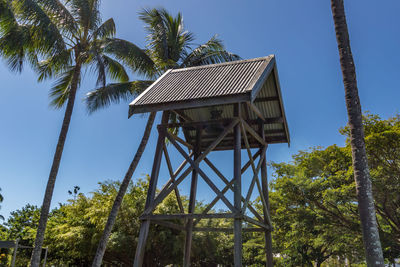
170, 185
200, 171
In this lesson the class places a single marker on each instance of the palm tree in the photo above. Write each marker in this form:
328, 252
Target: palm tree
169, 46
366, 206
1, 200
69, 37
19, 40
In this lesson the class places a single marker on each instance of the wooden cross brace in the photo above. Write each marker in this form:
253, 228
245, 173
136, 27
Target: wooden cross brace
172, 183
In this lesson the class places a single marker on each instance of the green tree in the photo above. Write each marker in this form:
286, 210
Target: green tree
168, 46
366, 208
314, 203
22, 224
26, 33
68, 36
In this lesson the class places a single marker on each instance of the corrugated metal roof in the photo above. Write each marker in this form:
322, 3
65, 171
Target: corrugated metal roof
201, 92
201, 83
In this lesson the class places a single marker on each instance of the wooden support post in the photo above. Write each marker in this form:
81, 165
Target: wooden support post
15, 253
45, 256
145, 225
192, 203
267, 220
237, 175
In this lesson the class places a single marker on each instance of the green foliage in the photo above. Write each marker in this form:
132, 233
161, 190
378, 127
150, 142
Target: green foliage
22, 225
313, 201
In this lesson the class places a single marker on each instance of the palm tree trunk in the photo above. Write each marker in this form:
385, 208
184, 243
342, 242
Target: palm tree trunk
122, 190
366, 206
44, 212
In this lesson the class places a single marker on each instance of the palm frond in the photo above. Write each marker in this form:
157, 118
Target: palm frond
114, 93
59, 93
178, 38
106, 30
7, 18
14, 46
46, 38
131, 55
156, 28
167, 38
60, 15
212, 52
115, 70
86, 12
54, 65
101, 70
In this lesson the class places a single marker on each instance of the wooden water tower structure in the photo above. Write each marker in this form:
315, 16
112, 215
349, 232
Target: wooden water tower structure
228, 106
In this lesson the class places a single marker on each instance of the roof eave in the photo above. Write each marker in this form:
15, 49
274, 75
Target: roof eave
278, 86
202, 102
130, 113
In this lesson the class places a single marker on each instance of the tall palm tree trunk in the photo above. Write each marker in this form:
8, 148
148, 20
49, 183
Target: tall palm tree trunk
122, 190
366, 206
44, 212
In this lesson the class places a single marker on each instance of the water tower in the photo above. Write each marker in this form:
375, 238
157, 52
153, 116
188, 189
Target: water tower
229, 106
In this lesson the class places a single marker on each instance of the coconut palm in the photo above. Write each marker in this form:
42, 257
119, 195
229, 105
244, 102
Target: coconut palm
19, 40
68, 36
1, 200
169, 45
366, 206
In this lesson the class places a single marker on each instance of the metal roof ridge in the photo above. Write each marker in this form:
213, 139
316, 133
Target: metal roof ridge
224, 63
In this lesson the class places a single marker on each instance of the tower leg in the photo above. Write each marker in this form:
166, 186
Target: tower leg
264, 184
237, 190
267, 233
145, 225
192, 204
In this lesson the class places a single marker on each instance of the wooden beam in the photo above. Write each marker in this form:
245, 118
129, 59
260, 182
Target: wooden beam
171, 173
255, 222
256, 110
194, 124
169, 225
145, 225
202, 174
267, 219
253, 133
237, 194
170, 185
183, 142
192, 203
255, 169
268, 120
227, 230
166, 190
185, 216
264, 202
229, 185
181, 114
266, 99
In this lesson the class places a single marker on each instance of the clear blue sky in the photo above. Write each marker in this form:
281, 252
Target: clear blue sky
299, 33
